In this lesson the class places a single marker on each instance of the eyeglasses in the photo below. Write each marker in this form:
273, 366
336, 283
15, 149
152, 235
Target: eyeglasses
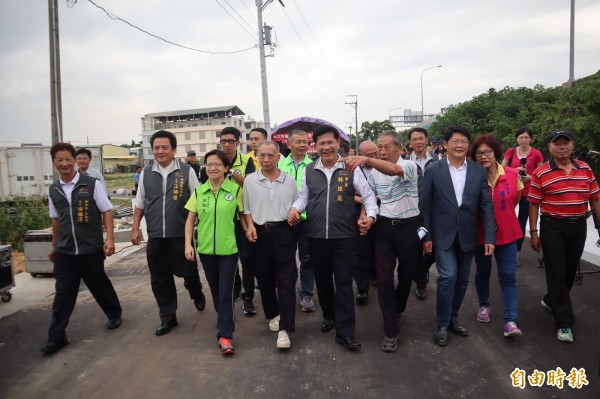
214, 165
457, 142
487, 153
228, 141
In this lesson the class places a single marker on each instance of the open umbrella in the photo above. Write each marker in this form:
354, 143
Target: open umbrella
308, 124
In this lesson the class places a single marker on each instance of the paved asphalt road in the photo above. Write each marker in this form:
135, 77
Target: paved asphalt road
131, 362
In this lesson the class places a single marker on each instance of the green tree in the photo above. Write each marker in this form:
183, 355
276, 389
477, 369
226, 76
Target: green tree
502, 112
371, 130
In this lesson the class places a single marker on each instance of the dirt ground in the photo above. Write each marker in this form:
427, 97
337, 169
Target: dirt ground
18, 262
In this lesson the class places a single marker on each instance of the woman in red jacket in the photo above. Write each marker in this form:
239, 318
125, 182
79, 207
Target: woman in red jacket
505, 188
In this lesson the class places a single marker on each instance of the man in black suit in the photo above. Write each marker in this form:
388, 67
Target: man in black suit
455, 193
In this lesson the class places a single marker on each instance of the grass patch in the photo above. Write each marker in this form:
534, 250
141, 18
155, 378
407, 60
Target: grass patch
17, 217
115, 181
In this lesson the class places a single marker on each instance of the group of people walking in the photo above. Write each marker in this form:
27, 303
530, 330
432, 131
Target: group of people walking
405, 214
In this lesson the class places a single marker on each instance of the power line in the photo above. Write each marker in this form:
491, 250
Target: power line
115, 17
249, 32
317, 44
313, 58
238, 14
252, 15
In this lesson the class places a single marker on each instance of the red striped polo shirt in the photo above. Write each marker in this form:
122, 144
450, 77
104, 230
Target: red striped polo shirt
560, 194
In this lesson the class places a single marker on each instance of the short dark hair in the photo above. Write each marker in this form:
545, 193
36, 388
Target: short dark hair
61, 147
261, 131
222, 156
489, 140
84, 151
324, 129
522, 130
296, 131
456, 129
231, 130
419, 130
164, 134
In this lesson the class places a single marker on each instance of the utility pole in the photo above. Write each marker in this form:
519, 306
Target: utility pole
355, 105
55, 96
260, 7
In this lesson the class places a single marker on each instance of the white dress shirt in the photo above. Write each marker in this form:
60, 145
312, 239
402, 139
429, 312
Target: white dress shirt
459, 177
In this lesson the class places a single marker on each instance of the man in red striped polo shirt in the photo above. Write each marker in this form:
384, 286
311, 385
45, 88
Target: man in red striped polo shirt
561, 188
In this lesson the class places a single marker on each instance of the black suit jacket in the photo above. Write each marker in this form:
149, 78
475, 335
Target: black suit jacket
442, 216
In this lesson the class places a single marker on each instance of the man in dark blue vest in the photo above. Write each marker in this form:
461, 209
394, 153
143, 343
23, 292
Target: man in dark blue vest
163, 191
78, 207
327, 193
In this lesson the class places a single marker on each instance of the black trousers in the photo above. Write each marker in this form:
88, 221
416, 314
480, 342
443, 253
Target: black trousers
166, 258
274, 259
399, 243
562, 245
69, 270
420, 272
220, 273
333, 262
243, 246
364, 267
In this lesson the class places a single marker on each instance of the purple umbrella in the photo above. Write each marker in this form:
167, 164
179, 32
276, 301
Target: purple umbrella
308, 124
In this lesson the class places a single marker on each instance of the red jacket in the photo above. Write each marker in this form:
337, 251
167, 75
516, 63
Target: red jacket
504, 199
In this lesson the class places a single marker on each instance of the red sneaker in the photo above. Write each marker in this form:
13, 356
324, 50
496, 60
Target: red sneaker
226, 346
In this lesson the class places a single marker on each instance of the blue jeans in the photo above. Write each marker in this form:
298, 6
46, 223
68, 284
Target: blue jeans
307, 273
522, 217
453, 267
507, 263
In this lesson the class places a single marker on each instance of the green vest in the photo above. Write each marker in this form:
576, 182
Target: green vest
216, 215
287, 165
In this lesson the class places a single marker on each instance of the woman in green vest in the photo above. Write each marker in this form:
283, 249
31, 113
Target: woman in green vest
214, 204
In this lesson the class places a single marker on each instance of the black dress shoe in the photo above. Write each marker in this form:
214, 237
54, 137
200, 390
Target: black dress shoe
441, 336
362, 297
113, 324
421, 293
200, 303
53, 347
457, 329
166, 327
327, 326
348, 342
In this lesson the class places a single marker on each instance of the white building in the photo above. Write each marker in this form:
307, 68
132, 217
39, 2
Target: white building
195, 129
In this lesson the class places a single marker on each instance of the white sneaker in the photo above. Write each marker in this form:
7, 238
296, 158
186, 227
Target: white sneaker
283, 340
274, 324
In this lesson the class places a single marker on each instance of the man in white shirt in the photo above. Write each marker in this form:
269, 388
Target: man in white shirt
327, 193
164, 188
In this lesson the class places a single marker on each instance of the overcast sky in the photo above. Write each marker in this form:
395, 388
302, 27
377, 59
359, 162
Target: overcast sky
112, 74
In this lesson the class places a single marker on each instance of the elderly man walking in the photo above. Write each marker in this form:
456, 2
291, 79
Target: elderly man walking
268, 196
397, 241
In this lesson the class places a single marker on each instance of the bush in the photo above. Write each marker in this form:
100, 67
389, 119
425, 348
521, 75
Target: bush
17, 217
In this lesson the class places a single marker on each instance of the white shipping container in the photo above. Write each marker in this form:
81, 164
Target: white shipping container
28, 171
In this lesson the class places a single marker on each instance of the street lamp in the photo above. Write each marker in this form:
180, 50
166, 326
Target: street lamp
426, 69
